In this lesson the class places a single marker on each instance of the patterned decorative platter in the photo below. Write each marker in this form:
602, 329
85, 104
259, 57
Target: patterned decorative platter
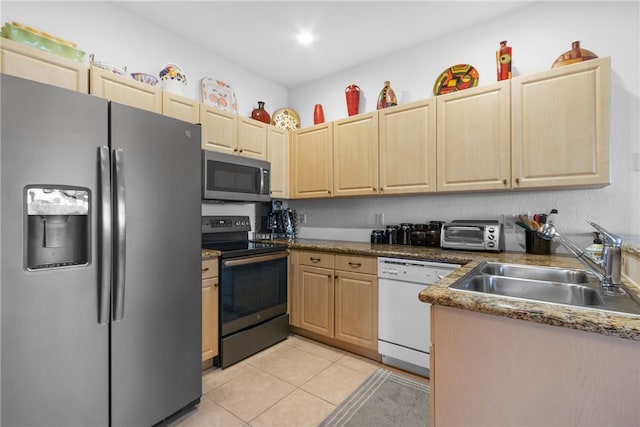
286, 119
219, 94
458, 77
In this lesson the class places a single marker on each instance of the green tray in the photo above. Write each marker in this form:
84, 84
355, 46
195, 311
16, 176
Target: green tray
28, 38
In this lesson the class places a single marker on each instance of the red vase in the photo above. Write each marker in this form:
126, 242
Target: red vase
318, 114
352, 93
261, 114
503, 61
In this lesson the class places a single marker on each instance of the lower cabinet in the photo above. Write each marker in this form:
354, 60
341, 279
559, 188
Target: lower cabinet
209, 309
336, 296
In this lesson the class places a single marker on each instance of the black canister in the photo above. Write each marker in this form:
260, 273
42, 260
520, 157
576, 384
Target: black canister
391, 234
419, 235
404, 234
433, 233
377, 236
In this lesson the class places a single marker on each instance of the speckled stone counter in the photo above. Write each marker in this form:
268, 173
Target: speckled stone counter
210, 253
598, 321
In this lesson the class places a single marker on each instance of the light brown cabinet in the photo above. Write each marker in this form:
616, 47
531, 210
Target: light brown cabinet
336, 296
123, 90
407, 139
560, 126
229, 133
563, 376
312, 162
209, 309
473, 139
30, 63
355, 155
180, 107
278, 156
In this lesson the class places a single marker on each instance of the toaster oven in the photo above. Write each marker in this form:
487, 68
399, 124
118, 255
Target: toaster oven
475, 235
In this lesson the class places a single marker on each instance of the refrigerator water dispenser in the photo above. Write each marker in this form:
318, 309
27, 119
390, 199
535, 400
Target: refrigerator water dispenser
57, 227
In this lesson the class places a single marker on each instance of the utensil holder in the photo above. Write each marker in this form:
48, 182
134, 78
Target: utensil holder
535, 244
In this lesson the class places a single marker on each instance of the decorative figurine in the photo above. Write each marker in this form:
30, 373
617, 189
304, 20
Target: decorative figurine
503, 61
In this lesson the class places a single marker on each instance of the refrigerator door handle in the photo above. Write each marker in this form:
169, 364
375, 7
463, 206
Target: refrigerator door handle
120, 235
105, 236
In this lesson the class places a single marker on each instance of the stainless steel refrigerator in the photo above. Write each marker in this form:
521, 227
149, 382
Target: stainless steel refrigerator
100, 261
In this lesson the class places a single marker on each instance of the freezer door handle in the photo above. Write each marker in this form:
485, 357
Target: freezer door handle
121, 235
105, 236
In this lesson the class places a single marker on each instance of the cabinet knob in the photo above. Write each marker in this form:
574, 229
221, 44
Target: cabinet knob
235, 150
504, 181
517, 180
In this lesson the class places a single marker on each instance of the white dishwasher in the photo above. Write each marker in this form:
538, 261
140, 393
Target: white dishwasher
404, 322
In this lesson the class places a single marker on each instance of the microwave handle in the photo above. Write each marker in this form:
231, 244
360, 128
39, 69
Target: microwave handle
261, 172
463, 228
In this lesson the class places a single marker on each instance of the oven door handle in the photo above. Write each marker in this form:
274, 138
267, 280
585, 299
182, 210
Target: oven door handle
254, 259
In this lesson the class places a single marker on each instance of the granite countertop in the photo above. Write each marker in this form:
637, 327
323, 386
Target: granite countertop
210, 253
598, 321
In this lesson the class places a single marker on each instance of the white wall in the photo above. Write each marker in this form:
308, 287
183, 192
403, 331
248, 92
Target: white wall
538, 33
117, 36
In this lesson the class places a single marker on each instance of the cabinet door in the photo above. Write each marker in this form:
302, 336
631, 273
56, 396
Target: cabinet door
561, 126
316, 299
474, 139
105, 84
278, 155
219, 130
408, 148
252, 138
180, 107
44, 67
209, 318
356, 309
312, 152
355, 155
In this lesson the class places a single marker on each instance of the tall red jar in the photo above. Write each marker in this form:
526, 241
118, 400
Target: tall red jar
352, 93
318, 114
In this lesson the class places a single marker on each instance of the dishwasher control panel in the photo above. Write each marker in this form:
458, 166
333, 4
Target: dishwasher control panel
417, 271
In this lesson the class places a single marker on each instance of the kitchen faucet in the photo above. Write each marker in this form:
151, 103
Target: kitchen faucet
607, 268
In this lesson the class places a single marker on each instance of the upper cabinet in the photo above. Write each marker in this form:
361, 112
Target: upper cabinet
232, 134
355, 155
407, 139
278, 156
560, 126
312, 162
33, 64
123, 90
473, 139
180, 107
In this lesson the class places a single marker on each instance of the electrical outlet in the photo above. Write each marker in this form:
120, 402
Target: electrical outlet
379, 219
303, 218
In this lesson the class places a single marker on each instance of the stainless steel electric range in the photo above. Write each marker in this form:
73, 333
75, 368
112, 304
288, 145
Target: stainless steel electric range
253, 288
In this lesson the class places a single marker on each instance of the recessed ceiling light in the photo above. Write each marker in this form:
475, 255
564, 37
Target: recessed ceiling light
305, 37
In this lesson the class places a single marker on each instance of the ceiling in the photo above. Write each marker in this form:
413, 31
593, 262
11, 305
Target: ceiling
262, 35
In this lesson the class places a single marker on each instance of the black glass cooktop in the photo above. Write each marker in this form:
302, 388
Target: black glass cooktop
239, 248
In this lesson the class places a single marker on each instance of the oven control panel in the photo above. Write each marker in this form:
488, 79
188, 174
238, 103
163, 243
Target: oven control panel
219, 224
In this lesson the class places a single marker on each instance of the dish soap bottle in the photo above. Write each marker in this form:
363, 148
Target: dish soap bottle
594, 250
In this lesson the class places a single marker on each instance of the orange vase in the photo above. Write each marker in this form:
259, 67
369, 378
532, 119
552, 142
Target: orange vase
261, 114
318, 114
352, 93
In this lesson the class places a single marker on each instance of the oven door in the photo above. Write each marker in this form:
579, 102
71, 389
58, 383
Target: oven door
253, 289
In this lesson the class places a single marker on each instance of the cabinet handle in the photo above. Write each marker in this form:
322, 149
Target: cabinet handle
355, 264
314, 259
517, 180
504, 181
204, 270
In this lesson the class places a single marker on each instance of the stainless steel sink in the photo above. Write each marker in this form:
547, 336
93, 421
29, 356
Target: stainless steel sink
561, 293
547, 284
562, 275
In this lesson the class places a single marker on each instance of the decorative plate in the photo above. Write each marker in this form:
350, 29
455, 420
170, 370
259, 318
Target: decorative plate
219, 94
286, 119
458, 77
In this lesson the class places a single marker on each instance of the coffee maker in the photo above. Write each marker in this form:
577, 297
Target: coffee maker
279, 222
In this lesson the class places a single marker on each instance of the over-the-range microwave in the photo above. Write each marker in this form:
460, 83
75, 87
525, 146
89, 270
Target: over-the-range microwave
227, 177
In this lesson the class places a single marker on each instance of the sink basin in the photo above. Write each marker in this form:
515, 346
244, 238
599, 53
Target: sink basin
538, 273
571, 287
561, 293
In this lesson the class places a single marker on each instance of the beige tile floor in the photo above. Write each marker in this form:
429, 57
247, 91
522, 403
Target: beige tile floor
297, 382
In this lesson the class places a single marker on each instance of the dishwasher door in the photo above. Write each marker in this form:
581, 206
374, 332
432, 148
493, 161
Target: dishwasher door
404, 324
